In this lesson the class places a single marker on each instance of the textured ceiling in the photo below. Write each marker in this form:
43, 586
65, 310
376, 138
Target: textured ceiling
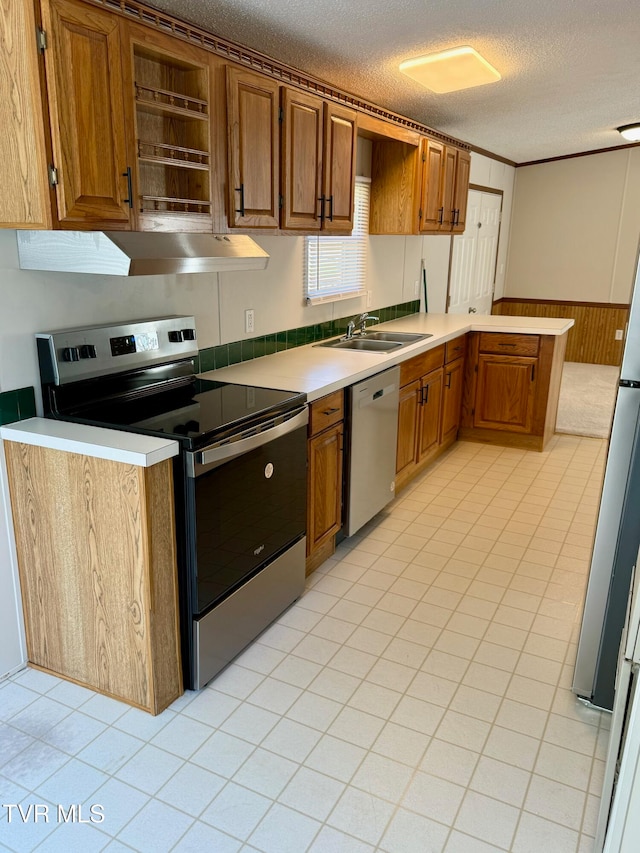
570, 68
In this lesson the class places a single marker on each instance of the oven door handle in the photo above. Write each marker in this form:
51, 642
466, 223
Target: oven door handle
213, 456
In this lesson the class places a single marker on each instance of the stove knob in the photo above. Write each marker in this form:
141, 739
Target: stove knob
70, 354
175, 336
88, 351
189, 334
192, 426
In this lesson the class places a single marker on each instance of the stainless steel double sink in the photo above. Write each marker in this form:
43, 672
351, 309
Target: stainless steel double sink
374, 341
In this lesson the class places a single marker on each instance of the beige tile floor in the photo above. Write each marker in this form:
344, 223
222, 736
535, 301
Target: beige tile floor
416, 698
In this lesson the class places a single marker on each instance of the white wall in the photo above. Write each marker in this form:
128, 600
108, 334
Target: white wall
575, 228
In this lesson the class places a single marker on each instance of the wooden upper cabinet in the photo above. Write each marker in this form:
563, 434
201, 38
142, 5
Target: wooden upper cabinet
340, 142
253, 111
318, 163
302, 144
87, 110
444, 188
447, 217
431, 185
24, 201
461, 191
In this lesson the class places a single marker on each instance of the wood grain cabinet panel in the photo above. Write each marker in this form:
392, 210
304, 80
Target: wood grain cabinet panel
407, 427
325, 480
318, 164
430, 406
97, 560
253, 110
431, 190
24, 201
92, 150
505, 392
325, 458
461, 192
453, 381
302, 145
444, 188
339, 176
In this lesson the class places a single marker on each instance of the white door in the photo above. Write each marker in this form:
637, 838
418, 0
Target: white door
473, 264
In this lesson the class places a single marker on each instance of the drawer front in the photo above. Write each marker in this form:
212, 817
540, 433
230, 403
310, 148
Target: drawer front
455, 348
414, 368
509, 344
326, 412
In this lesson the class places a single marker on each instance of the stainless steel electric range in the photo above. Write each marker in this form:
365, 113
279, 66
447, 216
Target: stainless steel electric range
239, 481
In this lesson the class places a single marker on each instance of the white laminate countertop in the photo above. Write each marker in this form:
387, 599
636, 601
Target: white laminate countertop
114, 444
318, 370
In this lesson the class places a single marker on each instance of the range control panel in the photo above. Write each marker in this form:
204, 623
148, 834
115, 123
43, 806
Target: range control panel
69, 355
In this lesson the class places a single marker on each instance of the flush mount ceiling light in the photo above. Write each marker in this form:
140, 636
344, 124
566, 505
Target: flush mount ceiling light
451, 70
630, 131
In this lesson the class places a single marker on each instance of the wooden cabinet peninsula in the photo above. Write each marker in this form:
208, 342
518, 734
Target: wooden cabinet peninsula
95, 540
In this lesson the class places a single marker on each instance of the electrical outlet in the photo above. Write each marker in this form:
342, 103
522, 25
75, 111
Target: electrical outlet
369, 299
619, 334
249, 321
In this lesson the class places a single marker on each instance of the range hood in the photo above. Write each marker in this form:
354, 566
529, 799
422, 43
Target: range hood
137, 252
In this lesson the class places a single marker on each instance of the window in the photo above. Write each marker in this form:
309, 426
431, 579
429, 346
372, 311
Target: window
335, 267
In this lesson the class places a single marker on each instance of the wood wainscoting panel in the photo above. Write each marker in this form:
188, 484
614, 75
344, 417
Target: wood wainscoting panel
592, 339
90, 590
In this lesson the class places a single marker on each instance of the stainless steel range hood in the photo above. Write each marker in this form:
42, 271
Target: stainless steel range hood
137, 252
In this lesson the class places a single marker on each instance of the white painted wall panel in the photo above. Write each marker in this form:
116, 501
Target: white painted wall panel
572, 229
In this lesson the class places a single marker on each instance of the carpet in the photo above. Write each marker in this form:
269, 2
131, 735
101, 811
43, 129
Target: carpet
587, 399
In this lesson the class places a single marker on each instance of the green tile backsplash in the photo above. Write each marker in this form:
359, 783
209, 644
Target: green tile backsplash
226, 354
17, 405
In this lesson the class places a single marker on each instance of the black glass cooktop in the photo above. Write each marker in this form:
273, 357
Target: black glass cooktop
194, 413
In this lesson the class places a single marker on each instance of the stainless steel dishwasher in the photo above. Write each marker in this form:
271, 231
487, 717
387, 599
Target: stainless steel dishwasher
373, 435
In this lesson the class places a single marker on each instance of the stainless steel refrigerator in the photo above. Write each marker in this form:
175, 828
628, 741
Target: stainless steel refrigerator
618, 826
617, 534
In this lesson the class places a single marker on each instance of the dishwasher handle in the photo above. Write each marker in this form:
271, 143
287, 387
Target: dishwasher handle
210, 457
370, 398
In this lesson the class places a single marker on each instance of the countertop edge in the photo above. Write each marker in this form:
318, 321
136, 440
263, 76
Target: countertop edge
99, 442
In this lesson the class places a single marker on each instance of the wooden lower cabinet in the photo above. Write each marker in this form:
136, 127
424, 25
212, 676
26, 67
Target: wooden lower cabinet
429, 412
451, 400
506, 392
97, 560
325, 464
511, 388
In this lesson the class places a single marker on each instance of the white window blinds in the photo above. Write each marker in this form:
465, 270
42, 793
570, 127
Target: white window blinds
335, 267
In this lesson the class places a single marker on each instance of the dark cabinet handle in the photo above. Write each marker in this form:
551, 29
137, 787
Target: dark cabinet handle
322, 200
533, 372
424, 395
440, 215
330, 411
127, 175
447, 383
240, 209
456, 216
330, 200
506, 345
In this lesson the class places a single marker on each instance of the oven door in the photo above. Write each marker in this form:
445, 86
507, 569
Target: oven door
248, 506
